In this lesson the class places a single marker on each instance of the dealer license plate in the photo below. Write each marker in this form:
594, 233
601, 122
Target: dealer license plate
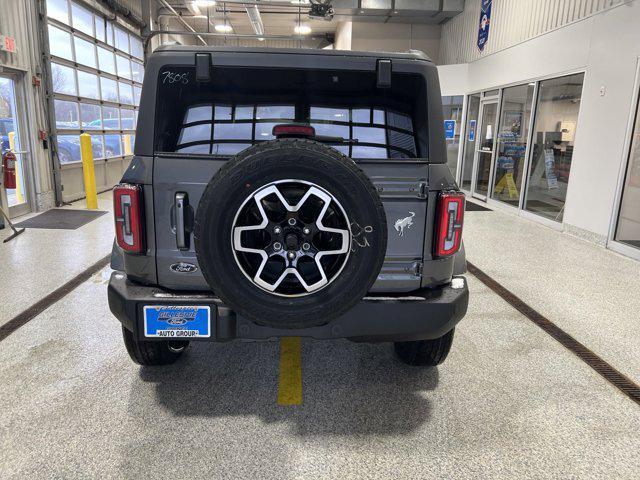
170, 321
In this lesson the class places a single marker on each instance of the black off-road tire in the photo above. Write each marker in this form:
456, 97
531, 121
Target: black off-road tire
296, 159
425, 353
153, 353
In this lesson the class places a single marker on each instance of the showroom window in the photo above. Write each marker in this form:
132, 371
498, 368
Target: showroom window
557, 111
96, 75
452, 110
628, 228
513, 134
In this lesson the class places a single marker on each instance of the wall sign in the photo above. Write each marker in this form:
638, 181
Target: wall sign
7, 44
472, 130
449, 129
485, 22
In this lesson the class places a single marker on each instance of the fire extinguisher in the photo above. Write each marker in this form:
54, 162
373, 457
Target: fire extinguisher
9, 170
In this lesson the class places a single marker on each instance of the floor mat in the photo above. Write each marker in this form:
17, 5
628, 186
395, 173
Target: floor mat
61, 219
474, 207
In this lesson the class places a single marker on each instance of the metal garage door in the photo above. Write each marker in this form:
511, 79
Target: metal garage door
96, 69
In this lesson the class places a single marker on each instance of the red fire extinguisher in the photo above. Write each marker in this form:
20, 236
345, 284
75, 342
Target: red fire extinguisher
9, 169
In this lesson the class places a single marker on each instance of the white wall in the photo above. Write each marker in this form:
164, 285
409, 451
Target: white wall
396, 37
344, 32
607, 47
454, 79
512, 22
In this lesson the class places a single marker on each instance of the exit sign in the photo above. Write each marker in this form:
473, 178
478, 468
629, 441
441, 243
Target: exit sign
7, 44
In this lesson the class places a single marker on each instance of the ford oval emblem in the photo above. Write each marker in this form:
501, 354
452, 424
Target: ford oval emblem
183, 267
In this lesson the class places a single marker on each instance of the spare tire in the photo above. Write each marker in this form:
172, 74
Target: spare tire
290, 233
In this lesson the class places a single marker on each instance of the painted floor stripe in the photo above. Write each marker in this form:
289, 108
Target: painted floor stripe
290, 381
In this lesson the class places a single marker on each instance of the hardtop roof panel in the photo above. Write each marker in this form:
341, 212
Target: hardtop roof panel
415, 55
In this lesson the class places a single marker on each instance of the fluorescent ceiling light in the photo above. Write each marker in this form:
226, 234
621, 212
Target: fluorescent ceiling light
223, 28
204, 3
302, 29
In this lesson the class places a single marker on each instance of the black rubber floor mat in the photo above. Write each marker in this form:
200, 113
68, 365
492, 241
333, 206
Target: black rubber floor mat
61, 219
474, 207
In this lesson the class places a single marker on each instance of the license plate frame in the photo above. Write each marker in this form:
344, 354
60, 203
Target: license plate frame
177, 322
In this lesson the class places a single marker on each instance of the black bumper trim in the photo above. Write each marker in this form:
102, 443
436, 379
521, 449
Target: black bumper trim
422, 314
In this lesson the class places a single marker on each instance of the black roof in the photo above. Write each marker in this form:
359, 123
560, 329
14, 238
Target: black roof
410, 55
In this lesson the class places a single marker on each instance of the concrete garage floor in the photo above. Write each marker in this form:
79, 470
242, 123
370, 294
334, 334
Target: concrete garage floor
509, 402
44, 259
590, 292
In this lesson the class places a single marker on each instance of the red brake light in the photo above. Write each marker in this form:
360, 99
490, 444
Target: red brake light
449, 218
293, 130
127, 209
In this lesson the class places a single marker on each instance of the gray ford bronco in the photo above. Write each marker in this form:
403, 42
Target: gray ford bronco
282, 193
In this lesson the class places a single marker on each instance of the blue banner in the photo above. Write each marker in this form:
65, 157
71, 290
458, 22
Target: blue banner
485, 22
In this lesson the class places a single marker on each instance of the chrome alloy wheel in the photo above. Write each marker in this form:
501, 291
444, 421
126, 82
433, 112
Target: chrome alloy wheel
291, 238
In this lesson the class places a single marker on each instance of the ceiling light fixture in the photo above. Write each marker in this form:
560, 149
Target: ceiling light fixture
302, 29
204, 3
223, 28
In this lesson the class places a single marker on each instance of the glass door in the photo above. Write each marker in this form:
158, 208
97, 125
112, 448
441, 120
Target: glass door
485, 148
628, 227
473, 109
12, 137
512, 142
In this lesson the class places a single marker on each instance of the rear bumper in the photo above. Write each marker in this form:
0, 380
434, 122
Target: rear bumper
424, 314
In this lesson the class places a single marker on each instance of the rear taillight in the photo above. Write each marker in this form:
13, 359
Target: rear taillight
127, 209
449, 219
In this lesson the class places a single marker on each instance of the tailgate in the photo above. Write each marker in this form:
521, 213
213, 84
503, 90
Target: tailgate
402, 186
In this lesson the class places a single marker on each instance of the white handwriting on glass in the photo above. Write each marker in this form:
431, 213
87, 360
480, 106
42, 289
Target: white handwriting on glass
173, 77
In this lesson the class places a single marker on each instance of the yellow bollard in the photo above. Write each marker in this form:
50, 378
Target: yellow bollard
12, 146
127, 144
88, 171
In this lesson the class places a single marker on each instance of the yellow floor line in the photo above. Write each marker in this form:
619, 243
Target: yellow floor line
290, 381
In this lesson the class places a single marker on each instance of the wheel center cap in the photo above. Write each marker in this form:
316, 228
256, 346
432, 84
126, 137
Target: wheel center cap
291, 241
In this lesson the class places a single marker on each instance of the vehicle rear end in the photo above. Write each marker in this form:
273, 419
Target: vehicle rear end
373, 114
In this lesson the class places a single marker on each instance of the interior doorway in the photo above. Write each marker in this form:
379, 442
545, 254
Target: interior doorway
13, 136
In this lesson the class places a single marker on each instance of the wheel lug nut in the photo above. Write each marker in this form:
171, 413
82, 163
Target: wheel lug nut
306, 230
277, 230
291, 255
291, 221
277, 246
306, 246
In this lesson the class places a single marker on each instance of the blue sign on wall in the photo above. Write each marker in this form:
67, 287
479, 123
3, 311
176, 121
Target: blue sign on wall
449, 129
485, 22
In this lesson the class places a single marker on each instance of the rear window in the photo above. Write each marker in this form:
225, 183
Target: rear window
240, 106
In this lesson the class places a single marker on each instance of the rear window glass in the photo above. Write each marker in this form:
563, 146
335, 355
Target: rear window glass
239, 107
